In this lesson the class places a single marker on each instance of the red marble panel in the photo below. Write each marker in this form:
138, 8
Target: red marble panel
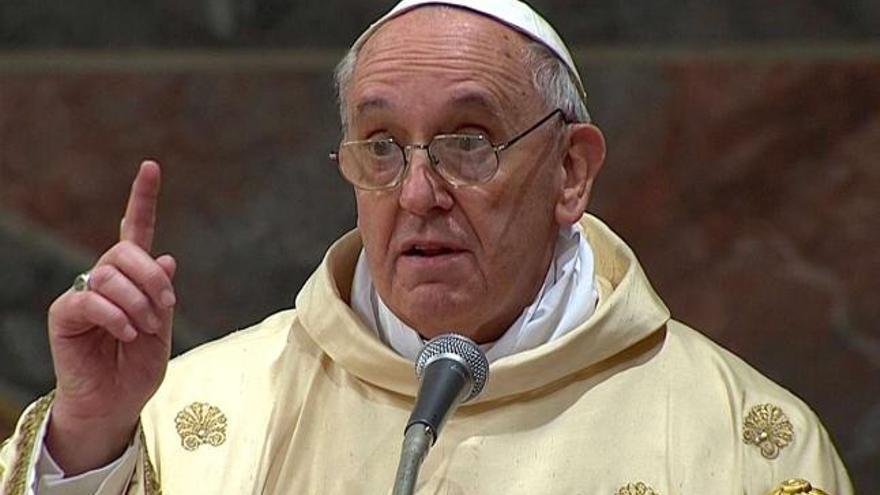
245, 163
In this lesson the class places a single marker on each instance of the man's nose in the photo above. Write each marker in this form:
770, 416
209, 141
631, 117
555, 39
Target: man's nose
422, 190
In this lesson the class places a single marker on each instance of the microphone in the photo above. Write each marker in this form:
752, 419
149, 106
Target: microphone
452, 370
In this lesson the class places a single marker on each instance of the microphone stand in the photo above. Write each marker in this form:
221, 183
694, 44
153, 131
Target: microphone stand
416, 442
452, 370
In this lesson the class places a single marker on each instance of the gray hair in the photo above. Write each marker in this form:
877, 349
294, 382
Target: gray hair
555, 83
550, 76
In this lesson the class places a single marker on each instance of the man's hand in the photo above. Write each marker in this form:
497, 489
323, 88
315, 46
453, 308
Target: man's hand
111, 343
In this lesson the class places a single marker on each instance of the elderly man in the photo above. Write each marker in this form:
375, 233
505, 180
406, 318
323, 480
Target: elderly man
469, 146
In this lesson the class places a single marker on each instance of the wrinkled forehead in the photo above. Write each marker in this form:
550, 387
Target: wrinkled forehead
444, 58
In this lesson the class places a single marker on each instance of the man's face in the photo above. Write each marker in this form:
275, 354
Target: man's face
465, 259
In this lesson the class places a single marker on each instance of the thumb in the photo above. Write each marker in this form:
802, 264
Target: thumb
169, 264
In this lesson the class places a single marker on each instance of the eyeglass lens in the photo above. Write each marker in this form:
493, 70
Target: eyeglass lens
460, 159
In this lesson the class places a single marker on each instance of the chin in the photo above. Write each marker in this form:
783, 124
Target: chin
435, 312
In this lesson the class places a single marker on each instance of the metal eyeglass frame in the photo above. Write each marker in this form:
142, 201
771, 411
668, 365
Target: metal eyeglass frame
407, 149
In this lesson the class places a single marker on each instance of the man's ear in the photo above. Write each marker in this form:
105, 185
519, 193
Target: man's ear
584, 157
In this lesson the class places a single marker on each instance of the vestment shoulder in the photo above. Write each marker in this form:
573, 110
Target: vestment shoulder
744, 387
776, 432
220, 372
707, 356
219, 398
261, 340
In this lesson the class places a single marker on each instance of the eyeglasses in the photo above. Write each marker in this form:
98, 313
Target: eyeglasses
461, 159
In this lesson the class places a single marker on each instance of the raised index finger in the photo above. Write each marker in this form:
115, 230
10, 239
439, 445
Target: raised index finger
139, 223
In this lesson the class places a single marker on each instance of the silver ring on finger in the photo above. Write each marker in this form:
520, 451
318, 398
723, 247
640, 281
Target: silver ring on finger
81, 282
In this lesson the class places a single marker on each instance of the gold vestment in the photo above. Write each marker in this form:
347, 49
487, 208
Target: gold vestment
632, 402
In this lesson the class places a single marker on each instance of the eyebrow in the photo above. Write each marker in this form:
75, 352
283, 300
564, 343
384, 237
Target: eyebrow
372, 104
477, 99
464, 101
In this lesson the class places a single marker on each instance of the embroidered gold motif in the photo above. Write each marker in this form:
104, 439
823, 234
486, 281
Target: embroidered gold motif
769, 428
199, 424
24, 447
796, 487
145, 476
151, 480
2, 467
636, 489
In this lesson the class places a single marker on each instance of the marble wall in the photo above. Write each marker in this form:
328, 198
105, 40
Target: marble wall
743, 142
334, 23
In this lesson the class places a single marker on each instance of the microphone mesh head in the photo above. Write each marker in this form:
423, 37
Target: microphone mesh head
463, 347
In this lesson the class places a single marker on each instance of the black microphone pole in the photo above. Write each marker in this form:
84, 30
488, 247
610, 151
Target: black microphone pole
452, 370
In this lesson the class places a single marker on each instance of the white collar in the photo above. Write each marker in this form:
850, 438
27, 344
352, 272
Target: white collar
567, 298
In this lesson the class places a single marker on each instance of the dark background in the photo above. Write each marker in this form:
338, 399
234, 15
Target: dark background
744, 140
